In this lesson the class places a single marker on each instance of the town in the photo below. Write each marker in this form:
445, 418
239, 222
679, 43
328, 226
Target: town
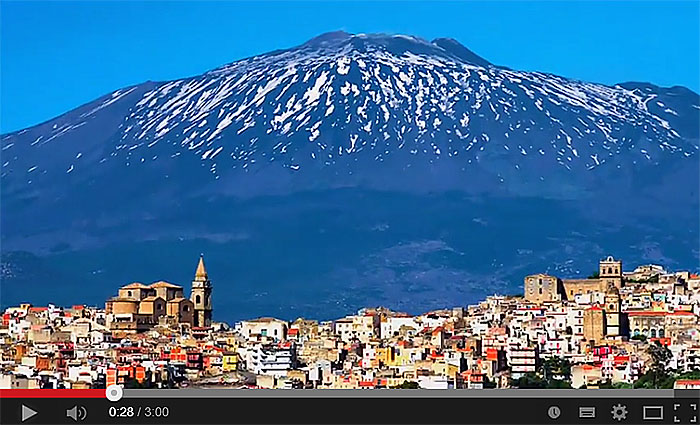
612, 329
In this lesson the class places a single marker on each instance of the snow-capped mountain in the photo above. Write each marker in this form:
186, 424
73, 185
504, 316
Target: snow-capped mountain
388, 113
356, 104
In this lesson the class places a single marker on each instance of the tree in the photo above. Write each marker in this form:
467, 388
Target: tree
608, 385
660, 357
530, 380
558, 384
553, 372
594, 275
555, 368
488, 383
407, 385
658, 375
693, 374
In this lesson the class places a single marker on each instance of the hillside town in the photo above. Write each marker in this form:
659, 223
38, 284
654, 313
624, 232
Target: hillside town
613, 329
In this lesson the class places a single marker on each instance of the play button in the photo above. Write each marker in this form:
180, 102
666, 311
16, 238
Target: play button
28, 413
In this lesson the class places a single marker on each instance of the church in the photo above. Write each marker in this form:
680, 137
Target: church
139, 307
601, 290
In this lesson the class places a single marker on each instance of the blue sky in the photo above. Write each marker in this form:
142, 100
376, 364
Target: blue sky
55, 56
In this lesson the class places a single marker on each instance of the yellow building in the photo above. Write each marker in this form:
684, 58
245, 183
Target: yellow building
612, 313
230, 361
610, 271
609, 277
593, 324
138, 307
541, 287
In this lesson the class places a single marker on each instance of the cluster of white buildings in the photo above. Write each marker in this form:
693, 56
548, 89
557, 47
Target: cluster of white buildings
601, 326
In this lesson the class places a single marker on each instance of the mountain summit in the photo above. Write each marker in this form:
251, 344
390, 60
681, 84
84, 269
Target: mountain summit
364, 112
362, 108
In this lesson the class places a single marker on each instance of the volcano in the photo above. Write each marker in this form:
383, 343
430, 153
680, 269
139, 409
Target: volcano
351, 170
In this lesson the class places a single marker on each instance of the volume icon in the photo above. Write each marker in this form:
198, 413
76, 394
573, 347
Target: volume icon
77, 413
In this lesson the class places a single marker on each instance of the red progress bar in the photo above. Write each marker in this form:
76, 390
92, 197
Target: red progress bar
38, 393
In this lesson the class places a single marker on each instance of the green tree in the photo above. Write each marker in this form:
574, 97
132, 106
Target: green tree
660, 357
530, 380
489, 383
558, 384
555, 368
407, 385
608, 385
693, 374
553, 372
658, 375
594, 275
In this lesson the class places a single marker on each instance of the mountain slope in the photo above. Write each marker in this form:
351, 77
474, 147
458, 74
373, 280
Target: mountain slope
339, 100
387, 115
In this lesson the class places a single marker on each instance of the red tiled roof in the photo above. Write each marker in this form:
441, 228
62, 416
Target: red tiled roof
622, 359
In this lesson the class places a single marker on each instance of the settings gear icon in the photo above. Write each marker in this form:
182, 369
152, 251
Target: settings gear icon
619, 412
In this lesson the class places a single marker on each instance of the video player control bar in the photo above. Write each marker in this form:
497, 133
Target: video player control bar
357, 407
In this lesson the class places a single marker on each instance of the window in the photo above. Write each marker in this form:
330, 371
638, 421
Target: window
129, 292
653, 333
198, 299
662, 333
159, 306
186, 308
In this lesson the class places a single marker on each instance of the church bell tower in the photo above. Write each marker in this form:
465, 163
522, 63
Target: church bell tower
201, 296
610, 273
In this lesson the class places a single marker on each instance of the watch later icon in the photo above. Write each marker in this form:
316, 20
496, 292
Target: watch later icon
554, 412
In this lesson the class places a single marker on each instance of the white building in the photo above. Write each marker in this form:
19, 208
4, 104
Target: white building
364, 328
391, 326
264, 327
272, 360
